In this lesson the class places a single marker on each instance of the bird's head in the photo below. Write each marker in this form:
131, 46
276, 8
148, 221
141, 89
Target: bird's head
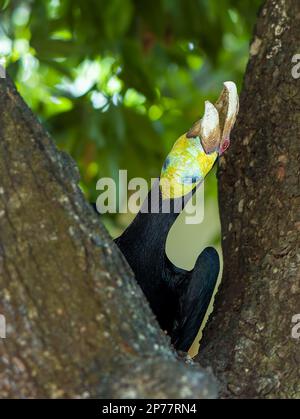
194, 153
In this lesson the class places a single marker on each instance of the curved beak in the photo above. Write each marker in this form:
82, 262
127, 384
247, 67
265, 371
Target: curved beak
228, 107
218, 120
208, 128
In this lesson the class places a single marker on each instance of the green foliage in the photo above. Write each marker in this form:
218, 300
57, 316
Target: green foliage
117, 81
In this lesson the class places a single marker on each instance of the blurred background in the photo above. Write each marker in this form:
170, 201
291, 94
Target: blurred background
116, 82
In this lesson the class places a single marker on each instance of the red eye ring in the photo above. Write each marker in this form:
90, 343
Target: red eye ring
225, 145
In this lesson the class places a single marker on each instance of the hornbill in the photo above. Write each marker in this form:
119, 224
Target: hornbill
180, 298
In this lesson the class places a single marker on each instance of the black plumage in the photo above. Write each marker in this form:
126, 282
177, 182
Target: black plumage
178, 298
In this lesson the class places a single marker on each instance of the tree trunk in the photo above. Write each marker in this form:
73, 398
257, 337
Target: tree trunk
248, 342
77, 323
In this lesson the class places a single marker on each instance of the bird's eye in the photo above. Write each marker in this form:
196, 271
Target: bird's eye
166, 163
225, 145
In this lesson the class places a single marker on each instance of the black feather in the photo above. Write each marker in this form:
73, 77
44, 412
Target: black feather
195, 298
178, 298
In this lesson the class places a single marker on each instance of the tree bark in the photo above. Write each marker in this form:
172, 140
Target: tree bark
248, 341
78, 325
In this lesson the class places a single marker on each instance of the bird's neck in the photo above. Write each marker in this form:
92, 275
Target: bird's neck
152, 224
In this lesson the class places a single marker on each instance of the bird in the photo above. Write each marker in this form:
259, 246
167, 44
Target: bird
180, 298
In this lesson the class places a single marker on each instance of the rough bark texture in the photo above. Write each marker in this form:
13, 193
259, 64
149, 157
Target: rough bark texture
248, 341
77, 323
